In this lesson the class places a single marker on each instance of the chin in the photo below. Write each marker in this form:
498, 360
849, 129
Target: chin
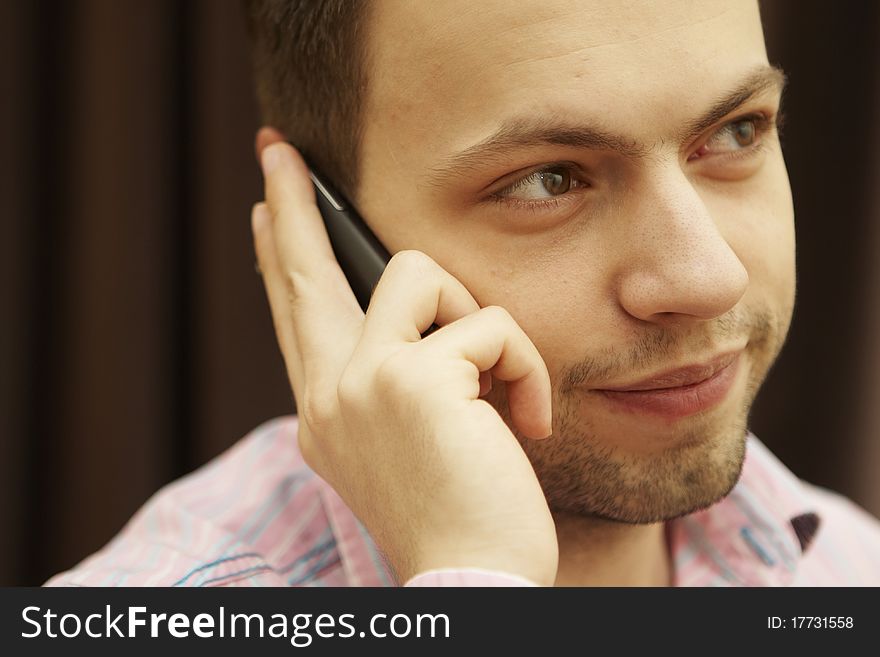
638, 468
595, 478
632, 469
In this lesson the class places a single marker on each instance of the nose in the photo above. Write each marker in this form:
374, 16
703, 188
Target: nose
678, 265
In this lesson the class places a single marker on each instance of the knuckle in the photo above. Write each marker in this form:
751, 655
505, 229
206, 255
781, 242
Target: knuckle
394, 374
411, 260
318, 411
498, 314
308, 449
350, 388
298, 287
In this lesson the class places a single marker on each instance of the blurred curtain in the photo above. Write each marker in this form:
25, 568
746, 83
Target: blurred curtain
135, 340
820, 408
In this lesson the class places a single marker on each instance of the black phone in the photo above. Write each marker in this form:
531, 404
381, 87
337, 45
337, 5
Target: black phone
359, 252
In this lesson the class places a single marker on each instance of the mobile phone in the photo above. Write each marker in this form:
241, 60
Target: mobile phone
359, 252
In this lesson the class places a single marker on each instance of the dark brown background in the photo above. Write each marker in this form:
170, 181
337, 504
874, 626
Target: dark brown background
135, 340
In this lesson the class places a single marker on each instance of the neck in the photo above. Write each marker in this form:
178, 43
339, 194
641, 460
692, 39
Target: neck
596, 552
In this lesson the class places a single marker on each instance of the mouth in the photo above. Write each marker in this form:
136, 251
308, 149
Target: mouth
677, 393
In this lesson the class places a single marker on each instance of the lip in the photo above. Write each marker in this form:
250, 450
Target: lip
681, 376
680, 392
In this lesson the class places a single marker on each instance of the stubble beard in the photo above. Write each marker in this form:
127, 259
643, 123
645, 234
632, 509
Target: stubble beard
588, 474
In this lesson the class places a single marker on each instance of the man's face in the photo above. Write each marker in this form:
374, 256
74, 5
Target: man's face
646, 226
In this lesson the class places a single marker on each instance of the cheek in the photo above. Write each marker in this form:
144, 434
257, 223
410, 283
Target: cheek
556, 301
759, 227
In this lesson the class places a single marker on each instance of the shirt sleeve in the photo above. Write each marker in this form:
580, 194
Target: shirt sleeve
468, 577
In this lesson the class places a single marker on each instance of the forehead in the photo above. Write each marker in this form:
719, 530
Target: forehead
445, 73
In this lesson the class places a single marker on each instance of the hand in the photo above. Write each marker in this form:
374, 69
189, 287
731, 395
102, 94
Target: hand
394, 422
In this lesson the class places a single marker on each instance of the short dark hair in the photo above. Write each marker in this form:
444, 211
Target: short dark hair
309, 59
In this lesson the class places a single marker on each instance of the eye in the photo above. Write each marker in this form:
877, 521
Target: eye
734, 137
541, 187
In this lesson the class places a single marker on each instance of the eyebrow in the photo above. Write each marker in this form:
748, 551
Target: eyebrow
531, 131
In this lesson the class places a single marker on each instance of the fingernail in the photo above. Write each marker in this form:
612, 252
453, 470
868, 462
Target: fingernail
272, 157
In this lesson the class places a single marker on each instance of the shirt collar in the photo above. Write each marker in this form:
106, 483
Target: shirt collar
755, 536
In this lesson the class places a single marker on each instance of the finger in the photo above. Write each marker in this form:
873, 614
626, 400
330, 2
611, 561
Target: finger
265, 136
414, 292
492, 340
264, 248
303, 244
324, 312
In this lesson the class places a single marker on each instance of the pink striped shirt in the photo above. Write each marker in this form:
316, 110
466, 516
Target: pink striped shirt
258, 516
